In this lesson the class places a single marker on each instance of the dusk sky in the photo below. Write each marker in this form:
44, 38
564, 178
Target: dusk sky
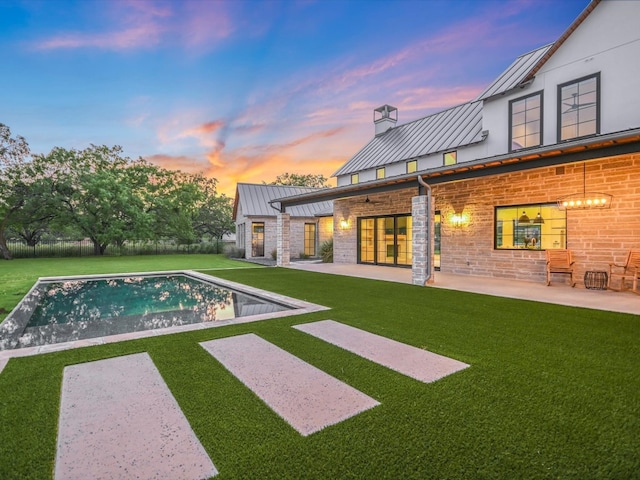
246, 90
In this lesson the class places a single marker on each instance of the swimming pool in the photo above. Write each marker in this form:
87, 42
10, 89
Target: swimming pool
70, 309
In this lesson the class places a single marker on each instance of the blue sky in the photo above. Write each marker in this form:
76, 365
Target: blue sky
247, 90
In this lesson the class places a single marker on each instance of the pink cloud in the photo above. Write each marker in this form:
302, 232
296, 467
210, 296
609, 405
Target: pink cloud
145, 24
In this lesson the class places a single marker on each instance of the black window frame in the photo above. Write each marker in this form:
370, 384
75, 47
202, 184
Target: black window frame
539, 93
375, 218
314, 239
444, 158
530, 209
560, 106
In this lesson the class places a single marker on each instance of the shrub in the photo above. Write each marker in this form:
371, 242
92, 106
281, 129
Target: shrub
274, 254
326, 251
303, 256
233, 252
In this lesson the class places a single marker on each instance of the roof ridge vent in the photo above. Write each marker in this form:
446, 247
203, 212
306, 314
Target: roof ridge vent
384, 118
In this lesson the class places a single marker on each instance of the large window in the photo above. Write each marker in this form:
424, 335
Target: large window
257, 239
533, 227
579, 108
310, 239
525, 117
385, 240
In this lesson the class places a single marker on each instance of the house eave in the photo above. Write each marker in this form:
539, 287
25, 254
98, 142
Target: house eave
617, 143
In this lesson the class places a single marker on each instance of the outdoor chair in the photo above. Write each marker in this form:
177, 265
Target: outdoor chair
559, 261
630, 270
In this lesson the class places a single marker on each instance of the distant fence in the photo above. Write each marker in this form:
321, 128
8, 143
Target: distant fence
84, 248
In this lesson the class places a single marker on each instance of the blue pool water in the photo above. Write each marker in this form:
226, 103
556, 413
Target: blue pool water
62, 311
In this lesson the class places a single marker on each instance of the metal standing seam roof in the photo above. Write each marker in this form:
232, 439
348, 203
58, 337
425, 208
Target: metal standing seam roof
516, 73
446, 130
254, 200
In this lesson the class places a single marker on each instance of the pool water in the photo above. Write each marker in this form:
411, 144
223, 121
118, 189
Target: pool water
73, 301
62, 311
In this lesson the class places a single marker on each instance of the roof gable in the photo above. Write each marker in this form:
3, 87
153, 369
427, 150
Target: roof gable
253, 200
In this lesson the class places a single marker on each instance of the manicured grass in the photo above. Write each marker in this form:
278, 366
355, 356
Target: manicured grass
18, 276
552, 391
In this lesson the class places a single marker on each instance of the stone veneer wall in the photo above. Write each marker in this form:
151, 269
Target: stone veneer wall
595, 237
296, 241
345, 241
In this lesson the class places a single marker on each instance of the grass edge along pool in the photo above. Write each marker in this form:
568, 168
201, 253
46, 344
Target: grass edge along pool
16, 334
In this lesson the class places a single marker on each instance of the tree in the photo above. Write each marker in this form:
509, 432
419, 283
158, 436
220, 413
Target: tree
37, 212
101, 193
301, 180
215, 211
15, 176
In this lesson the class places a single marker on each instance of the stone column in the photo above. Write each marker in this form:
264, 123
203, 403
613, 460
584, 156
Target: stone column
421, 264
283, 231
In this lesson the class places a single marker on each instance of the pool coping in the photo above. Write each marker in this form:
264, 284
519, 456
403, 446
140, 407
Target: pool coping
299, 307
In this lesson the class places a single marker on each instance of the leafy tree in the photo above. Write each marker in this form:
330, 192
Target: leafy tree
15, 176
101, 193
172, 201
215, 211
301, 180
34, 218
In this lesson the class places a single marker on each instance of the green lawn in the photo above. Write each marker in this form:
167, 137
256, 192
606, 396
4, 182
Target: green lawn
552, 391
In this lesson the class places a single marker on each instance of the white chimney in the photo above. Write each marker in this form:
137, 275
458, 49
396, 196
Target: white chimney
384, 118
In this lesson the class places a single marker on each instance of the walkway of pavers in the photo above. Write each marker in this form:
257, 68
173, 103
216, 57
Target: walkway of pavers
118, 419
558, 293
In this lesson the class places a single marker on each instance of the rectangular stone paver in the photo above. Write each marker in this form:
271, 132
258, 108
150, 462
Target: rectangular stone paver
411, 361
304, 396
119, 420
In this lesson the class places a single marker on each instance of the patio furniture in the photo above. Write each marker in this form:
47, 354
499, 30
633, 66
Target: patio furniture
559, 261
630, 270
595, 280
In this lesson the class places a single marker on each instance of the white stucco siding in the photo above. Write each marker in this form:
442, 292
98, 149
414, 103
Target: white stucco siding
607, 42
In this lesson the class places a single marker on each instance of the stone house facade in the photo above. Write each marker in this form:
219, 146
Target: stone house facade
546, 157
256, 224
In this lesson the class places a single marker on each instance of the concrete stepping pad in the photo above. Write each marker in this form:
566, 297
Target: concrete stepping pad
118, 419
411, 361
307, 398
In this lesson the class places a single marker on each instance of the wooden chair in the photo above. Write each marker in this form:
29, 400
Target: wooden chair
630, 270
559, 261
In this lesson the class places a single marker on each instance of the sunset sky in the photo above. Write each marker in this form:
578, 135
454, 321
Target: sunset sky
247, 90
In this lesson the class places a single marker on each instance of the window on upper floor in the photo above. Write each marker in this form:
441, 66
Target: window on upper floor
412, 166
380, 173
450, 158
355, 178
579, 108
525, 117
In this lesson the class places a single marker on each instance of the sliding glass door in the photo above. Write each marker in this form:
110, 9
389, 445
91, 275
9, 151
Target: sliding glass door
385, 240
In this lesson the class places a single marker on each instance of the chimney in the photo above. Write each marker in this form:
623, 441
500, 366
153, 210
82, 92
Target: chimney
384, 118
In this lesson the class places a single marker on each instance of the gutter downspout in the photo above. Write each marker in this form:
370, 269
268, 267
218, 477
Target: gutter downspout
276, 208
428, 188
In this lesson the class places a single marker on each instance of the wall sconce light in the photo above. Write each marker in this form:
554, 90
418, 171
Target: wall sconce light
344, 224
457, 220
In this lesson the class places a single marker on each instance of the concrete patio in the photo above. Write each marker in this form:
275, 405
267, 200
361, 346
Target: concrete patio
558, 293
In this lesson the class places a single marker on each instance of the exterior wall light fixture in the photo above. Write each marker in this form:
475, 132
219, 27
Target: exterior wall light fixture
457, 220
344, 224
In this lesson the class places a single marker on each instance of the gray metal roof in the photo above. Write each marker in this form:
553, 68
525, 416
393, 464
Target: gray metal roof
254, 200
516, 73
446, 130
